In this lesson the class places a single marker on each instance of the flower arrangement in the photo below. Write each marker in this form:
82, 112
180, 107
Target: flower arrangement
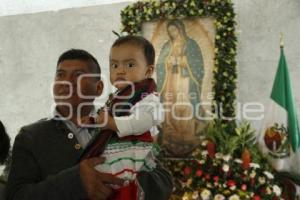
223, 177
225, 166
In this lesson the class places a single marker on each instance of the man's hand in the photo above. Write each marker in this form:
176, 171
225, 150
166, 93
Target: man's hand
94, 182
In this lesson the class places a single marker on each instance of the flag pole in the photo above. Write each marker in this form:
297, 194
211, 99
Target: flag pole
281, 40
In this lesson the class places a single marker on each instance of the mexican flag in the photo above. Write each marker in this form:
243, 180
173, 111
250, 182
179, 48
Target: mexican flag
280, 131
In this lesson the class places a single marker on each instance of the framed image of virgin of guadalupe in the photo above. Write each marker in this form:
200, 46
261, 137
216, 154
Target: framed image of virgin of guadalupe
195, 46
184, 64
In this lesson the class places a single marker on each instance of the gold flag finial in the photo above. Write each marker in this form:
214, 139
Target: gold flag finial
281, 40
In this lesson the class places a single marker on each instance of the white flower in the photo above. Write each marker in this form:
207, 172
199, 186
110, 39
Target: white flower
252, 174
234, 197
254, 165
196, 152
204, 142
219, 197
225, 168
277, 190
232, 187
226, 157
195, 195
268, 190
238, 161
201, 161
185, 197
204, 153
205, 194
124, 33
269, 175
189, 182
218, 155
262, 180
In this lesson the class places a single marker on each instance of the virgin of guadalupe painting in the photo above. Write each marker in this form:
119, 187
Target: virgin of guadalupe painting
180, 72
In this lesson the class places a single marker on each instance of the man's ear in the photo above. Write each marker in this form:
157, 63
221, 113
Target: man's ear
99, 87
150, 70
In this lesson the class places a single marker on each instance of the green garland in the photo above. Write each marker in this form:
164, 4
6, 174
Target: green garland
225, 75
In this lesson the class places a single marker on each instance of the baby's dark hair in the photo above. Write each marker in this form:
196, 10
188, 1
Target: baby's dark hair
4, 144
79, 54
148, 48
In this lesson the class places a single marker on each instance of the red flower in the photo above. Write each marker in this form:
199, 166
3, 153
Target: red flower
207, 176
199, 173
231, 183
187, 171
216, 178
244, 187
256, 197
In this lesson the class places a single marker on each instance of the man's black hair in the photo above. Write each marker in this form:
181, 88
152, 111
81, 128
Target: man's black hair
4, 144
148, 48
79, 54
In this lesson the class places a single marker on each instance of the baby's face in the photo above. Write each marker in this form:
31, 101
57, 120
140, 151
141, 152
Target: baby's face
128, 65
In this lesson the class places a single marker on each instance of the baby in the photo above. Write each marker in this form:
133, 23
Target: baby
132, 113
137, 108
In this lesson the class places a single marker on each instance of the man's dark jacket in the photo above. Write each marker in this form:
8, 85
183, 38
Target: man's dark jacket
44, 167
